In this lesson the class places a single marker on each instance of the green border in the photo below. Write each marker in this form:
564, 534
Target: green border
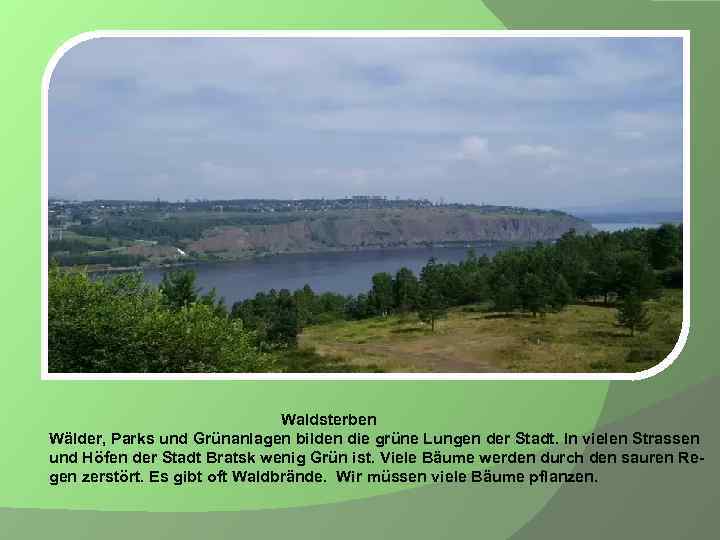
684, 397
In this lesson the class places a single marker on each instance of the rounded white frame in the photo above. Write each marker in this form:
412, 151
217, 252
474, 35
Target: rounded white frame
637, 376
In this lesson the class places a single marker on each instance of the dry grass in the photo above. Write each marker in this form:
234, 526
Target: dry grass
582, 338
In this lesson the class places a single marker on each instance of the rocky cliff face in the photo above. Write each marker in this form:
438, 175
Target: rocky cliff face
382, 228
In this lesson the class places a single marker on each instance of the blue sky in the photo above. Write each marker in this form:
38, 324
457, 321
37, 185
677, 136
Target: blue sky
541, 122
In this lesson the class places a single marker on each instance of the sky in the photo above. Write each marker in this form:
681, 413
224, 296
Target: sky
537, 122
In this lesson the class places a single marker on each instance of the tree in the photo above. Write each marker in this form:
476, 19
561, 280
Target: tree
602, 279
560, 293
471, 256
405, 290
434, 276
635, 275
121, 324
305, 300
382, 292
431, 306
632, 314
284, 326
504, 294
178, 288
534, 294
665, 246
255, 313
359, 307
211, 300
672, 277
571, 261
471, 280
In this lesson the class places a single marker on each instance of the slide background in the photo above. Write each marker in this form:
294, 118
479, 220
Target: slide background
643, 501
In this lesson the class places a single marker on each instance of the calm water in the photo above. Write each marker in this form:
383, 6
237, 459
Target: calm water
612, 227
342, 272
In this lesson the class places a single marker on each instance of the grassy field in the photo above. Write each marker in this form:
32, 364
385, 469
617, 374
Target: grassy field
582, 338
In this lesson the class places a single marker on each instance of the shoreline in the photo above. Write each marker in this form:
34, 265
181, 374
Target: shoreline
252, 257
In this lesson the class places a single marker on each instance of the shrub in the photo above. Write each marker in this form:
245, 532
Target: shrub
123, 325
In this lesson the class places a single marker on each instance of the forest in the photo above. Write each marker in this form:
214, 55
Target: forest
122, 324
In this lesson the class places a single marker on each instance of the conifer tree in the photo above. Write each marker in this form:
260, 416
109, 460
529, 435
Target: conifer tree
431, 306
633, 314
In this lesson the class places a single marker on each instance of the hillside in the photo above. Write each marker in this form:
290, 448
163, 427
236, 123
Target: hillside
386, 228
583, 338
104, 234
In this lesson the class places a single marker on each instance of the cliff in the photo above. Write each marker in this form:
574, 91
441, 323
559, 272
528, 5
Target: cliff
388, 228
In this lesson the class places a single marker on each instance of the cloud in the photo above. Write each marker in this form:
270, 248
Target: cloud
473, 148
457, 118
536, 151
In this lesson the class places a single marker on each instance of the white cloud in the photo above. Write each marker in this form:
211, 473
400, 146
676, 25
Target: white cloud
536, 151
410, 117
473, 148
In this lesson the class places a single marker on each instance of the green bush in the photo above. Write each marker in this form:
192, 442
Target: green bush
123, 325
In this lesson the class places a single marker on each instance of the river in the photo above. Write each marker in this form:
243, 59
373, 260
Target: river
347, 272
613, 227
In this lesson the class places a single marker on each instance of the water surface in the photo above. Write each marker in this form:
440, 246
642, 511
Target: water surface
613, 227
347, 272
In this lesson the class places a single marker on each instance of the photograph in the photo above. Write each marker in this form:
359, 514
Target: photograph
360, 205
